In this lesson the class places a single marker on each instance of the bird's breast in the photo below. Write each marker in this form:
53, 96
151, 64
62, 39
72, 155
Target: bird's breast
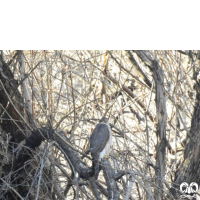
107, 149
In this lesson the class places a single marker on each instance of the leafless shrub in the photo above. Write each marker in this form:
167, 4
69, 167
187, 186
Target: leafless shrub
52, 100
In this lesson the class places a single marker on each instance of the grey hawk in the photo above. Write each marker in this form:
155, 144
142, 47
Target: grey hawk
100, 144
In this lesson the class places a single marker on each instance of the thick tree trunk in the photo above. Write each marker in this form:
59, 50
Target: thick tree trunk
11, 104
161, 114
13, 129
189, 168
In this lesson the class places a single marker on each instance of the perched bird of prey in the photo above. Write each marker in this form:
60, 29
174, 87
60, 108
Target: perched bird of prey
100, 143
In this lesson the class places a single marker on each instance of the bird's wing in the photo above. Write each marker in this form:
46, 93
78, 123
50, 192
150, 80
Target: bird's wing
99, 138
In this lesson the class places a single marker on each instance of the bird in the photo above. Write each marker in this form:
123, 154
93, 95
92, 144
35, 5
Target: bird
100, 144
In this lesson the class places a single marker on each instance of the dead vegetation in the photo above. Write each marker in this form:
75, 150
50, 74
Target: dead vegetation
50, 101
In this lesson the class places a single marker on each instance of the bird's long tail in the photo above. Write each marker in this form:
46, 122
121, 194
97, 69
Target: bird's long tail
96, 168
